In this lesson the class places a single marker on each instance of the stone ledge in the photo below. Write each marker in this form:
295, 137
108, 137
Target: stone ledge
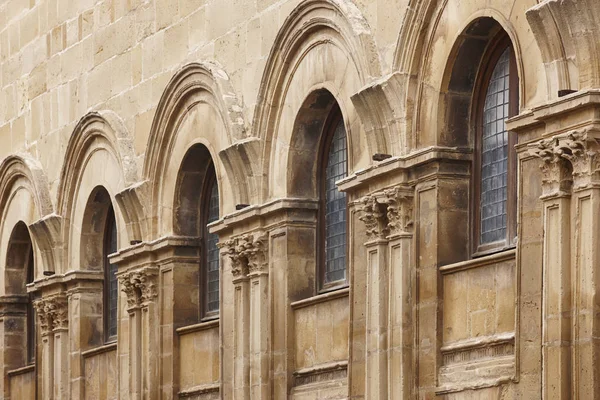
321, 298
202, 326
99, 350
477, 363
200, 390
21, 371
479, 262
321, 373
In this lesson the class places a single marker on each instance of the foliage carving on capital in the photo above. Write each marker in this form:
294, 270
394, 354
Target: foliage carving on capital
556, 174
581, 148
52, 312
399, 209
373, 215
248, 254
140, 286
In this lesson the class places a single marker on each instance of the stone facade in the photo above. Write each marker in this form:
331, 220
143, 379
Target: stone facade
120, 106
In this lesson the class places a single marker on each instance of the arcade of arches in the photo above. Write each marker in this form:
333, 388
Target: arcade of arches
299, 199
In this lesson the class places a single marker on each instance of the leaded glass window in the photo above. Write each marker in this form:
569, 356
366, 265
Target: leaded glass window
30, 313
494, 154
335, 208
111, 290
212, 251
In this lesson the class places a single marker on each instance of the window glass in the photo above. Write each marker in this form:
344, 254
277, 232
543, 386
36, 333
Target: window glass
212, 251
494, 154
335, 208
30, 313
111, 286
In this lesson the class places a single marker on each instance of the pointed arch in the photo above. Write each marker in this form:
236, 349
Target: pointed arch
317, 32
197, 106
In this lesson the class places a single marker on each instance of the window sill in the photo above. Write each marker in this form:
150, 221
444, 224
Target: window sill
322, 298
99, 350
22, 370
479, 262
202, 326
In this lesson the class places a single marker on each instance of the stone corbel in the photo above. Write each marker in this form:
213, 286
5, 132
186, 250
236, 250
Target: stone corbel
140, 286
53, 313
248, 254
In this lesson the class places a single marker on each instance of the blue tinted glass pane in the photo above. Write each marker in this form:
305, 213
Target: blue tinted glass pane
335, 208
494, 154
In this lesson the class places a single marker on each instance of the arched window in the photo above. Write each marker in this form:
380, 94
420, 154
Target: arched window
111, 291
495, 171
333, 203
210, 252
30, 311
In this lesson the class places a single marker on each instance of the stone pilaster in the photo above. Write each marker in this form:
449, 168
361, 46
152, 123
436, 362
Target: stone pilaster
399, 201
389, 343
53, 315
375, 219
582, 149
141, 289
557, 294
250, 271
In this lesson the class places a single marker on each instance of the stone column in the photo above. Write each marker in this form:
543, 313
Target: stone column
582, 149
401, 294
557, 294
140, 286
374, 217
241, 311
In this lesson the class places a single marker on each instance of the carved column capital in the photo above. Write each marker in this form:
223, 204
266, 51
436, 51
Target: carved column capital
248, 254
399, 201
373, 215
140, 286
581, 148
388, 212
556, 171
53, 313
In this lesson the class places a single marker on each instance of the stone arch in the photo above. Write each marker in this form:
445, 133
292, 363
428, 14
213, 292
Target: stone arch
567, 35
459, 81
99, 153
18, 254
428, 45
198, 105
24, 198
306, 144
93, 229
317, 30
193, 170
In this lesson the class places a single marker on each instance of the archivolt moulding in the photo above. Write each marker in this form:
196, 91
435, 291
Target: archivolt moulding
23, 171
102, 129
198, 83
311, 24
25, 166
